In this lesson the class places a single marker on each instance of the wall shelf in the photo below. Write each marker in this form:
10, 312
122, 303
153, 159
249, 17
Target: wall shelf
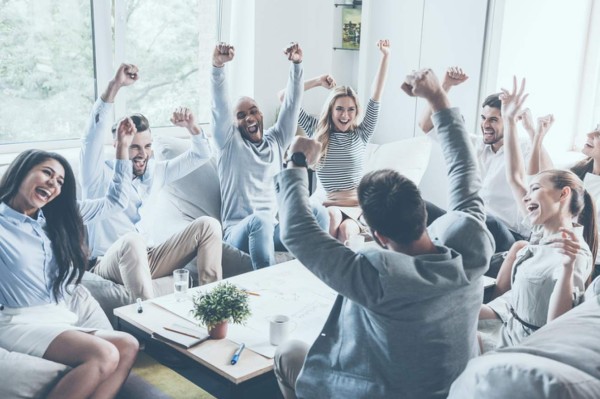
353, 5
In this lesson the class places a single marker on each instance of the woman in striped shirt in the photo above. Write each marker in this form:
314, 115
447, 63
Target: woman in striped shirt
344, 140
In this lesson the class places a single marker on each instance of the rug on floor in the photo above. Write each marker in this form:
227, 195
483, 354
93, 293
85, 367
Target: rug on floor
151, 380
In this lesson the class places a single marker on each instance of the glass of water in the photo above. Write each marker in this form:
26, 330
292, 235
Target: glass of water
181, 282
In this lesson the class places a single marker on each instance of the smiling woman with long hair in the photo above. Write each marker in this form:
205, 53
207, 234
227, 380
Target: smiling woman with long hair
344, 138
42, 251
540, 279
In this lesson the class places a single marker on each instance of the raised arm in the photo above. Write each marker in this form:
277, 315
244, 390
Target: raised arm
539, 159
306, 121
200, 152
515, 166
463, 176
561, 300
453, 77
92, 171
221, 112
327, 81
285, 127
117, 196
379, 82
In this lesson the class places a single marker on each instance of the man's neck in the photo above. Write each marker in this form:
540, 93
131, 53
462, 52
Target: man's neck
422, 246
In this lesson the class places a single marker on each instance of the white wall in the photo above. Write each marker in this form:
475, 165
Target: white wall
432, 33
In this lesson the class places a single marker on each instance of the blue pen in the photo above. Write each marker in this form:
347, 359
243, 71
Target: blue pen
236, 355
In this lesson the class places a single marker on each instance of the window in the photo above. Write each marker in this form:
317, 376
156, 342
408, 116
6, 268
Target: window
58, 57
172, 45
47, 73
534, 44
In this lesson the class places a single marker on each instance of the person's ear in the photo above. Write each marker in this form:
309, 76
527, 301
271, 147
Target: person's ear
380, 239
565, 192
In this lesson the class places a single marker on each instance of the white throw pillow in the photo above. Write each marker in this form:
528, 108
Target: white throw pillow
196, 194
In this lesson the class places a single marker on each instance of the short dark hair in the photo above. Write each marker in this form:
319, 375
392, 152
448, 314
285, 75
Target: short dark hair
493, 100
140, 121
392, 205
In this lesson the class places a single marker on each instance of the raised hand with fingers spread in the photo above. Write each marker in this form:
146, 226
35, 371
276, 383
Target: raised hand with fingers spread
512, 101
183, 117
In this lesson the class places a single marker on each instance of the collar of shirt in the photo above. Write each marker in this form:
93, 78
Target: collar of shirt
10, 213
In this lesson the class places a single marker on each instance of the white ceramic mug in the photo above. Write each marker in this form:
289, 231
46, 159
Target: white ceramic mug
280, 327
181, 283
355, 242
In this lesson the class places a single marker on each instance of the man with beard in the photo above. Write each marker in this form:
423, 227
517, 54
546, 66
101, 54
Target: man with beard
503, 219
120, 249
249, 157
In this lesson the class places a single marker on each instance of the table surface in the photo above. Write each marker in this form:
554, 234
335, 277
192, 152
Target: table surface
290, 278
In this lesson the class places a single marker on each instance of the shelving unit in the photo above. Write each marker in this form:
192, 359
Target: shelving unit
355, 5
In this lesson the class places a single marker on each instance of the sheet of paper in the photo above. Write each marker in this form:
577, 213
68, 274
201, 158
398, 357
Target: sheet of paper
287, 289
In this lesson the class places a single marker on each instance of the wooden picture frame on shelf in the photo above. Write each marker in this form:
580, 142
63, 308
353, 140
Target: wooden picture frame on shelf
351, 28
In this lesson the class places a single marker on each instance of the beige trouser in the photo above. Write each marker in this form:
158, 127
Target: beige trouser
288, 361
129, 262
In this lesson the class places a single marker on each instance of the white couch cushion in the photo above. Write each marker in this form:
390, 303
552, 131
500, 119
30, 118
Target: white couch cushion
25, 376
409, 157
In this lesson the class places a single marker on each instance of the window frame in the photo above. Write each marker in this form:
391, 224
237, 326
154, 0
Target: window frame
104, 64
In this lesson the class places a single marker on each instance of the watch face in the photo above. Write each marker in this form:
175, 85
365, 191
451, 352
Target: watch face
299, 159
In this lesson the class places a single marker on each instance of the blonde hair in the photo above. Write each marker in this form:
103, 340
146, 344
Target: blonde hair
581, 206
325, 124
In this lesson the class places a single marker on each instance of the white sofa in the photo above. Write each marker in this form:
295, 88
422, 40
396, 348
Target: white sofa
25, 376
559, 361
192, 196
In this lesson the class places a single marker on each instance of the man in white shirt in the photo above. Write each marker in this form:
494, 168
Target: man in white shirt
120, 249
503, 219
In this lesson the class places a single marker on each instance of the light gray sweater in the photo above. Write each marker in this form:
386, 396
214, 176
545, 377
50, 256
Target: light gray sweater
246, 169
402, 326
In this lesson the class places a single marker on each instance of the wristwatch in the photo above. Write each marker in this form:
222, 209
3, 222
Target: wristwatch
299, 159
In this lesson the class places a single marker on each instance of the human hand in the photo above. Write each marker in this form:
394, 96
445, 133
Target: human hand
513, 100
453, 77
384, 46
127, 74
422, 83
293, 52
526, 118
125, 132
309, 147
544, 124
222, 54
567, 245
327, 81
183, 117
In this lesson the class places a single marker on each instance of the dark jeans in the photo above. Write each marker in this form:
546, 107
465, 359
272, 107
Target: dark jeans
503, 236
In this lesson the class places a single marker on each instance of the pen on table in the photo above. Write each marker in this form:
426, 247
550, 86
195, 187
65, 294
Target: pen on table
236, 355
140, 309
250, 292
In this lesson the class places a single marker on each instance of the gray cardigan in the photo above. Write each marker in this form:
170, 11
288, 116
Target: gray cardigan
401, 326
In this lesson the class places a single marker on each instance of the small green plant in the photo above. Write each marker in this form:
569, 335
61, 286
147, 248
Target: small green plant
224, 302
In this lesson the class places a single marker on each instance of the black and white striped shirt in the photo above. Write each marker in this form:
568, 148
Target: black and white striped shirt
344, 163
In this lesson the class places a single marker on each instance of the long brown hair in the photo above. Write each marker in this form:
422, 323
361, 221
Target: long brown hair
582, 205
63, 220
582, 167
325, 124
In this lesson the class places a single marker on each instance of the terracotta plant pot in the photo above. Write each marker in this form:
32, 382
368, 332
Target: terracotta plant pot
218, 331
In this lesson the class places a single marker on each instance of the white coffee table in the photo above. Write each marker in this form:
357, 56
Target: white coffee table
287, 288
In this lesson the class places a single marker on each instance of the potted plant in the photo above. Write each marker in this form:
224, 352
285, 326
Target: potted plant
224, 303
